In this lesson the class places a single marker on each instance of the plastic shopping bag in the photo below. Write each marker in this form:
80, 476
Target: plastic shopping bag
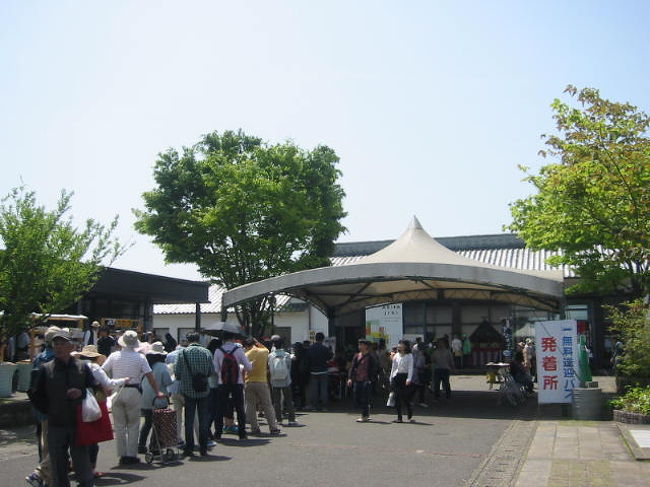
391, 400
90, 410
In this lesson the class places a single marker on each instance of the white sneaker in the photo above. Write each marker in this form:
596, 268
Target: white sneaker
363, 419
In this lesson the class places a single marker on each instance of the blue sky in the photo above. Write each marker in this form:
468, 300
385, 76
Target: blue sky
430, 105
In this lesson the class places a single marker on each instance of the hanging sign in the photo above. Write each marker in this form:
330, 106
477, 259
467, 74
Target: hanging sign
556, 345
385, 322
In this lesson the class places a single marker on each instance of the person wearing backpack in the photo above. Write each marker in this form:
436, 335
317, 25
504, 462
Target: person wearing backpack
229, 359
193, 367
280, 373
257, 387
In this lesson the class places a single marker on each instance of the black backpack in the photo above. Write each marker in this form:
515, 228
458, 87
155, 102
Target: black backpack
229, 367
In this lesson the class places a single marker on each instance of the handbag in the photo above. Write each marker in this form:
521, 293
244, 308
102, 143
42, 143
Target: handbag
95, 432
90, 411
391, 400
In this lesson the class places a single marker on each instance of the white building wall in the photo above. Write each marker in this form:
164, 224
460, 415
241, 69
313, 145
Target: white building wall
299, 322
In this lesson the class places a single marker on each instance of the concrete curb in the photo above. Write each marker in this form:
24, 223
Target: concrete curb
638, 452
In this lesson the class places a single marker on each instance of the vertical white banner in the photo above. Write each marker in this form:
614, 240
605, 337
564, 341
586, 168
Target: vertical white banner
556, 349
385, 322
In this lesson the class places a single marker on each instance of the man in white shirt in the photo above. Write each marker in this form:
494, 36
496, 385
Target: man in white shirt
126, 405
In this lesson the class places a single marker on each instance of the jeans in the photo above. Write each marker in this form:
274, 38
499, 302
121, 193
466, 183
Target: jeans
279, 393
319, 390
192, 405
441, 375
236, 392
362, 397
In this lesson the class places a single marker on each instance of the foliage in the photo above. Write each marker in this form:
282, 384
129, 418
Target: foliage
635, 400
632, 325
46, 264
593, 204
243, 210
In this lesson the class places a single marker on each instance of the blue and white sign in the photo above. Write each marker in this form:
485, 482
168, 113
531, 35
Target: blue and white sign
557, 345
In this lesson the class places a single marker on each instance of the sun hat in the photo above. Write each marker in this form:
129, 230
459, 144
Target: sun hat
129, 339
89, 351
157, 348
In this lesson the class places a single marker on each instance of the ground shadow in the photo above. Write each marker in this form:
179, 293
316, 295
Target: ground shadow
209, 458
247, 443
118, 478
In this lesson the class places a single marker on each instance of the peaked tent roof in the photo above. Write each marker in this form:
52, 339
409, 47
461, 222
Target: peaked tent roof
413, 267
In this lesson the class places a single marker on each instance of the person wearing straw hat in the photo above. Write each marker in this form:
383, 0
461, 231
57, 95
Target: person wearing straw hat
126, 405
95, 359
156, 359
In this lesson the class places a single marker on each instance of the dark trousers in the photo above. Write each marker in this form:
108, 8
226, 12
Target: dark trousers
212, 407
283, 396
319, 390
147, 414
441, 375
93, 453
59, 440
403, 394
236, 393
362, 391
193, 405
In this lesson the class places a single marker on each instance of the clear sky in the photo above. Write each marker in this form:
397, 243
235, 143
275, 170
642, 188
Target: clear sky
431, 105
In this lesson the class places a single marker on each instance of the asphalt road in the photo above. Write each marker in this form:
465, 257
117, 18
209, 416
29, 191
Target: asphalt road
449, 441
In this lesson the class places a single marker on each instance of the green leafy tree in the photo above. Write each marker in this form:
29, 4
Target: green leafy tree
593, 202
631, 323
46, 264
243, 210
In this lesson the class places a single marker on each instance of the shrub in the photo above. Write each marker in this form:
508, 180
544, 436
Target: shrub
632, 326
636, 400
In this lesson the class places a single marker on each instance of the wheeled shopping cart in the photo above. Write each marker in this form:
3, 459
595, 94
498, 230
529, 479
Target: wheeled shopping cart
163, 446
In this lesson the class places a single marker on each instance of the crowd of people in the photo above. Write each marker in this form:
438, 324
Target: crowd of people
206, 382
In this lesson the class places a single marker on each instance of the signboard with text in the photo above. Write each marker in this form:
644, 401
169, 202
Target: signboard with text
556, 349
385, 322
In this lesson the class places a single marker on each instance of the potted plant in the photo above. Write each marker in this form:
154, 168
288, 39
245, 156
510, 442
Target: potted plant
633, 406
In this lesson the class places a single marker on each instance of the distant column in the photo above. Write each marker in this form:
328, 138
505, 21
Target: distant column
197, 317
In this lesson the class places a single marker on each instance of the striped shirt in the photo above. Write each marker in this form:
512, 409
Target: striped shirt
127, 363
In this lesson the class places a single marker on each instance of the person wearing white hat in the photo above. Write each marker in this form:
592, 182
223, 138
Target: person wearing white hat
90, 335
126, 405
156, 359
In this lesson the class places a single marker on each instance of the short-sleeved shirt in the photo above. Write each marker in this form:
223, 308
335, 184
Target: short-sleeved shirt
127, 363
199, 361
239, 355
259, 357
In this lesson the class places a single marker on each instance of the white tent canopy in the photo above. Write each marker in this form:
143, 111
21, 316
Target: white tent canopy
413, 267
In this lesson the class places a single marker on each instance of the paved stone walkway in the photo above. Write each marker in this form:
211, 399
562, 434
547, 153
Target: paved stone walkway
580, 453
